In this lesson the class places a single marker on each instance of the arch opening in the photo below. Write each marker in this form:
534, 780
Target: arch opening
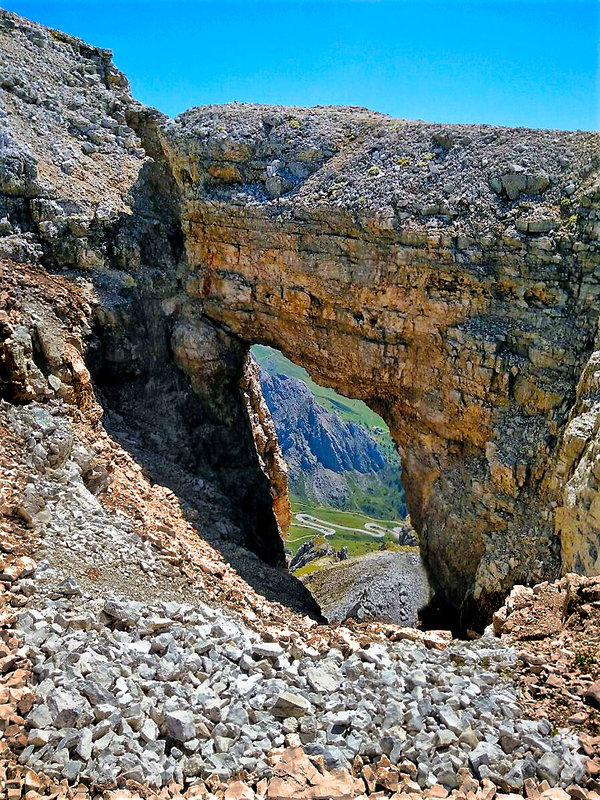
349, 538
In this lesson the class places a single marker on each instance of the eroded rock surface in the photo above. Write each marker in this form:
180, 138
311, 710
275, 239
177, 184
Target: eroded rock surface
270, 454
444, 274
83, 187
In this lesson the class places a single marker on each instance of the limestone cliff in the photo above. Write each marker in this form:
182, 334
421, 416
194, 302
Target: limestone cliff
447, 275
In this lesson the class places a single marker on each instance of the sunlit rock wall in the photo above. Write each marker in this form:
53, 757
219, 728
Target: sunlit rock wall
443, 274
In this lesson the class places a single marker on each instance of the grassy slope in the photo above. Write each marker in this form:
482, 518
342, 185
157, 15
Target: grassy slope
380, 498
357, 543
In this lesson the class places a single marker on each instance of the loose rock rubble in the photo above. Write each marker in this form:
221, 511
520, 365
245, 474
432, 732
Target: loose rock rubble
160, 691
557, 627
170, 691
381, 585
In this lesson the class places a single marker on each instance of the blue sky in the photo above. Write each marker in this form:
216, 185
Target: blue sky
508, 62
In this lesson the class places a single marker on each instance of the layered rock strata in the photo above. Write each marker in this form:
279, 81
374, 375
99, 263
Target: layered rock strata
446, 275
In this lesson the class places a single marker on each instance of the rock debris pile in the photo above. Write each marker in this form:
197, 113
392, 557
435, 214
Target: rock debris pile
557, 627
176, 691
381, 585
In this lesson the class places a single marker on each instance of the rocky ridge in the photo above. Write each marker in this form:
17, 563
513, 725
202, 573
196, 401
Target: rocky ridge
80, 191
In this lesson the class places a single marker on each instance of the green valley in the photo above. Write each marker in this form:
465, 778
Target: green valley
363, 537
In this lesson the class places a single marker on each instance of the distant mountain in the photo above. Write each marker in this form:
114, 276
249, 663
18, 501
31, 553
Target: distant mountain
333, 460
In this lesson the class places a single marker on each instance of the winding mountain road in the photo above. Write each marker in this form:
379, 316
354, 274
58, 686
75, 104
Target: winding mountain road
323, 527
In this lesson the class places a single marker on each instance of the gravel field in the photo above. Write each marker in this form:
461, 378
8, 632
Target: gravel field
386, 585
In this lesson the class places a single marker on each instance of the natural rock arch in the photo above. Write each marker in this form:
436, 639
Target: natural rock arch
447, 275
442, 274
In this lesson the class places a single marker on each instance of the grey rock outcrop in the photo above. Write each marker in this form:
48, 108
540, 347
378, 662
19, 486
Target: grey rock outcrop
391, 586
310, 551
309, 433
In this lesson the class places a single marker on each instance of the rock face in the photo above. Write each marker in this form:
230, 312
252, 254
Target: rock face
447, 275
338, 446
576, 477
84, 187
271, 458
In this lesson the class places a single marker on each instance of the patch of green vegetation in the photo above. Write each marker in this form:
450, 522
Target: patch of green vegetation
295, 123
313, 566
383, 499
584, 660
485, 662
372, 171
403, 161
